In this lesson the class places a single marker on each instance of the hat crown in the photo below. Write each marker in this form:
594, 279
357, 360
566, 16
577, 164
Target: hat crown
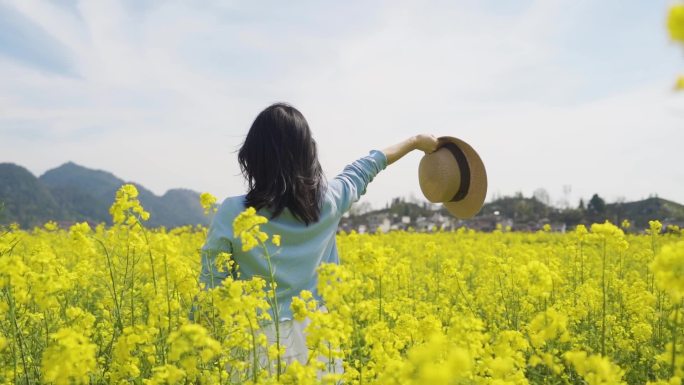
439, 176
455, 176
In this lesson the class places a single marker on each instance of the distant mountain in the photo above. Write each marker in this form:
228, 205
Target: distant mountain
640, 212
184, 206
73, 193
24, 197
72, 175
84, 193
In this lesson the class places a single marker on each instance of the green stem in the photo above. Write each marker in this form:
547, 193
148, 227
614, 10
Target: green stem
380, 299
574, 280
213, 308
168, 298
276, 312
603, 289
17, 332
581, 264
674, 340
330, 358
149, 252
465, 299
255, 361
154, 282
132, 290
119, 322
47, 328
503, 299
654, 245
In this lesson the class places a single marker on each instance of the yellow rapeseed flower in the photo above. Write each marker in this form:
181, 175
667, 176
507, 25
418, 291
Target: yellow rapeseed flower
304, 304
208, 202
224, 261
191, 346
69, 359
675, 22
676, 380
607, 230
654, 227
298, 309
298, 374
121, 304
126, 207
679, 83
595, 370
581, 231
246, 226
51, 226
547, 326
165, 375
668, 268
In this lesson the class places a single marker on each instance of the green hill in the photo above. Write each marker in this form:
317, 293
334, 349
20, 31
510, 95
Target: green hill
520, 209
73, 193
85, 193
184, 207
24, 198
95, 182
528, 210
640, 212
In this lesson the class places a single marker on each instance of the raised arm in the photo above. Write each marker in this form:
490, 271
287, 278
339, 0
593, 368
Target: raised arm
348, 186
423, 142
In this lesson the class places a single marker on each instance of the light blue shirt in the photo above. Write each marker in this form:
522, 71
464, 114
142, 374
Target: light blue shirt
302, 249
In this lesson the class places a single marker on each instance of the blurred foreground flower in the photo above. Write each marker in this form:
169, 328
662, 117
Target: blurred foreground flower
69, 359
675, 22
668, 268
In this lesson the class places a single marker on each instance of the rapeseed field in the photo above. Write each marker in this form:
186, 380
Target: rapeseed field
122, 304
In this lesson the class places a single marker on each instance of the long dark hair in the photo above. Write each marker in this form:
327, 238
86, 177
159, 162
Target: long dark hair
280, 162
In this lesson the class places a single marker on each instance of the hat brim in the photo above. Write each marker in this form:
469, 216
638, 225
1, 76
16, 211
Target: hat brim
471, 204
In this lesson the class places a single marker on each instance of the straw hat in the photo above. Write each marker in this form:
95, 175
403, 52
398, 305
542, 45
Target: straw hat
455, 176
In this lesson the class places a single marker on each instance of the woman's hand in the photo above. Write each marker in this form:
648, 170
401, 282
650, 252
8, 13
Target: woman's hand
423, 142
426, 143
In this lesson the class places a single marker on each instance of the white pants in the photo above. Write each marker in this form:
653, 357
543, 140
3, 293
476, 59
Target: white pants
293, 339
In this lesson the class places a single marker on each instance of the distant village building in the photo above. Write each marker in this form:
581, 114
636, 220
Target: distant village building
509, 214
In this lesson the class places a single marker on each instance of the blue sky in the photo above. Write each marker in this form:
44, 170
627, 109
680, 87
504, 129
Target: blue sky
551, 93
